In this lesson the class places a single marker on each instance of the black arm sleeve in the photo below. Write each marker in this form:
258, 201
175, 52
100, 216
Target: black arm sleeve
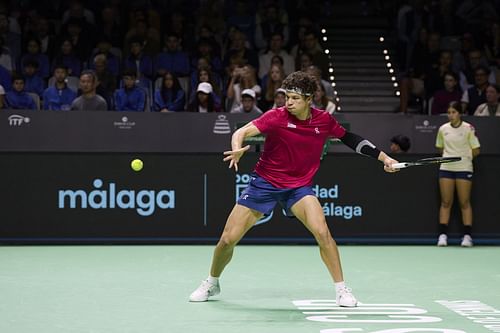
360, 145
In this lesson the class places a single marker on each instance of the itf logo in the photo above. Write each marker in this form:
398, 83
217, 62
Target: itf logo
242, 181
222, 125
18, 120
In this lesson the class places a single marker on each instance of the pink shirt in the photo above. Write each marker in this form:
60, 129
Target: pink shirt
293, 147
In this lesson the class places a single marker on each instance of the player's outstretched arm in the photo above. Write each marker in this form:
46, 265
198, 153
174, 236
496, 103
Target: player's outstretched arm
234, 155
365, 147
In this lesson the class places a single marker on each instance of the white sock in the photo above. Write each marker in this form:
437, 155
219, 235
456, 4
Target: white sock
339, 286
212, 280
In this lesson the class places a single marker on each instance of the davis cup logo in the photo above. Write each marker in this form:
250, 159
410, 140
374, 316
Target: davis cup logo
242, 181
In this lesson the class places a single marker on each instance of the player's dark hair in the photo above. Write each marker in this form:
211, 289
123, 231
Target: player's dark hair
456, 105
303, 83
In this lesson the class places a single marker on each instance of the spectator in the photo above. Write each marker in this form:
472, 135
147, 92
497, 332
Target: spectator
279, 98
59, 96
320, 101
276, 43
82, 42
150, 36
409, 21
5, 56
204, 101
89, 100
106, 81
491, 107
67, 57
474, 59
400, 144
205, 74
305, 61
271, 24
316, 72
241, 16
434, 76
17, 98
239, 52
130, 97
2, 97
443, 97
5, 79
241, 78
273, 81
476, 95
170, 97
205, 50
104, 47
44, 33
172, 59
33, 83
110, 26
312, 46
33, 49
248, 103
12, 39
137, 59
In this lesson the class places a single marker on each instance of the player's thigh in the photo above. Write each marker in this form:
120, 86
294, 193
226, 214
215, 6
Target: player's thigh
309, 211
240, 220
447, 189
464, 187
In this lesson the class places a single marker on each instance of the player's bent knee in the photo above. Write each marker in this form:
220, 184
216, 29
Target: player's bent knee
323, 237
227, 240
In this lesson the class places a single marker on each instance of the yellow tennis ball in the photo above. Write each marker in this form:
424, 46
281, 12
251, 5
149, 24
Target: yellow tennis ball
136, 165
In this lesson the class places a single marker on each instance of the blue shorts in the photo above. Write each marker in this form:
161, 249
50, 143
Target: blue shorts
467, 175
262, 196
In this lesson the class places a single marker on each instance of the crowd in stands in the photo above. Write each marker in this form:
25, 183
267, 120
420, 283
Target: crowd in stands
449, 51
165, 56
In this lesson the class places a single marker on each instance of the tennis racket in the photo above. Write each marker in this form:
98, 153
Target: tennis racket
426, 161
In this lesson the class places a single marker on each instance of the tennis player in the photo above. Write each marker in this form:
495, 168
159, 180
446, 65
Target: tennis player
295, 135
456, 138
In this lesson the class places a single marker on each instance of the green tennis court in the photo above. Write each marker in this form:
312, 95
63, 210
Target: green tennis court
265, 289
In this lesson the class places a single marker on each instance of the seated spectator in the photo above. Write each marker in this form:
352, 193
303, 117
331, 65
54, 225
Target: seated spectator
400, 144
2, 97
76, 30
33, 49
316, 72
205, 74
89, 100
170, 97
320, 101
272, 22
59, 96
238, 52
304, 62
32, 81
248, 103
276, 48
205, 50
104, 47
172, 59
443, 97
474, 59
106, 81
491, 107
241, 78
17, 98
150, 36
67, 57
312, 46
5, 56
5, 79
204, 101
130, 97
279, 98
137, 59
476, 95
273, 81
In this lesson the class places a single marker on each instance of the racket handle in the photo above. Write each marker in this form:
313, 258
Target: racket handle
400, 165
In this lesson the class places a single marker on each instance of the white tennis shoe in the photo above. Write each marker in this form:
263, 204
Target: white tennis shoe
345, 298
442, 240
467, 241
204, 291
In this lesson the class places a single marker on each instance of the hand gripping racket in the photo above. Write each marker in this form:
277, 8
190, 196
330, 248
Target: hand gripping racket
426, 161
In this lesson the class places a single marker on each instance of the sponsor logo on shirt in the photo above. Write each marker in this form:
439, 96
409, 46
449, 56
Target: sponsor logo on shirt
316, 130
290, 125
